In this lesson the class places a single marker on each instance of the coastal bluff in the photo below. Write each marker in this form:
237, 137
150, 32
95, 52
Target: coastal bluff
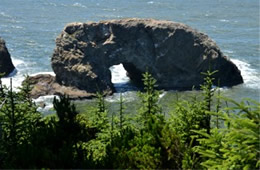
6, 65
174, 53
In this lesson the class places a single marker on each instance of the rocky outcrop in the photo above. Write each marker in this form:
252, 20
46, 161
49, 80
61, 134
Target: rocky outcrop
174, 53
45, 84
6, 65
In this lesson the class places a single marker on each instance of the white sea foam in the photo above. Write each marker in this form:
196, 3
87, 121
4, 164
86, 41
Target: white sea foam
119, 74
228, 51
17, 77
79, 5
17, 62
5, 15
45, 103
128, 96
224, 20
16, 80
9, 17
52, 4
213, 26
51, 73
162, 94
31, 43
251, 76
17, 27
109, 9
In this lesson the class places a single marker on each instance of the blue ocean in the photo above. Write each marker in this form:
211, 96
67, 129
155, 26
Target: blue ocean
30, 28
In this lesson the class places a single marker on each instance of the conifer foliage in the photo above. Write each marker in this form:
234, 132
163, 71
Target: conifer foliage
194, 135
19, 120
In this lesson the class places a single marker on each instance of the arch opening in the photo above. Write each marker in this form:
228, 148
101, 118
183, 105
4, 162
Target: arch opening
120, 78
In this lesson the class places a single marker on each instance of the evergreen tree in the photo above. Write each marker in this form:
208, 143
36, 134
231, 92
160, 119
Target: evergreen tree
97, 148
67, 131
121, 113
149, 98
186, 140
208, 93
236, 146
25, 89
19, 120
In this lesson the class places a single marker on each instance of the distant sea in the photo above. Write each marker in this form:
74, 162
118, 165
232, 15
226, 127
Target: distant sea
30, 28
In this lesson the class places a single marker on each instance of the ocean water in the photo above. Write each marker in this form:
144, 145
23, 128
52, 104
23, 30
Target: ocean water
30, 28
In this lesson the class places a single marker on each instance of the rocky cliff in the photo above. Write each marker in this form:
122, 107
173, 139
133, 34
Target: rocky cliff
174, 53
6, 65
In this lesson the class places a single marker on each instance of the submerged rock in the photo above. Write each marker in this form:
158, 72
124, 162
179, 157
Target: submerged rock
174, 53
6, 65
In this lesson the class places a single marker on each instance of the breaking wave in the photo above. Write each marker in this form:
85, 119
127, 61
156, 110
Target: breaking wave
251, 76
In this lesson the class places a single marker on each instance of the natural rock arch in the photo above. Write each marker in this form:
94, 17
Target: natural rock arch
174, 53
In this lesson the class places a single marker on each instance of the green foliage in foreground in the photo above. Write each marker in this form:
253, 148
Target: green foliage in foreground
195, 135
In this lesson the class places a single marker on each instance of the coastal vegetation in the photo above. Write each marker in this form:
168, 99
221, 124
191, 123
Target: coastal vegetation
197, 133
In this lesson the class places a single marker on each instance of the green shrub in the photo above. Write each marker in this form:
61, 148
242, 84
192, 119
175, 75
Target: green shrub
195, 136
235, 146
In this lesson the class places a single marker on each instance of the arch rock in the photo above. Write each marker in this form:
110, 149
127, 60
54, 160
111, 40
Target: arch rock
174, 53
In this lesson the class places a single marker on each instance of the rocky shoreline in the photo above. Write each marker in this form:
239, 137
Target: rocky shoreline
45, 84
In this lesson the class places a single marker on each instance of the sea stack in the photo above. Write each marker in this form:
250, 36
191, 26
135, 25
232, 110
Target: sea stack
6, 65
174, 53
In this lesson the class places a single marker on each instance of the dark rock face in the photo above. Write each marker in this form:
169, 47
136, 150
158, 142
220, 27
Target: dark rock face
45, 84
174, 53
6, 65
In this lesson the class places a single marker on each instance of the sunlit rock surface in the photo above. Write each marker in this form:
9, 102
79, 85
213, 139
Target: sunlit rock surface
174, 53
